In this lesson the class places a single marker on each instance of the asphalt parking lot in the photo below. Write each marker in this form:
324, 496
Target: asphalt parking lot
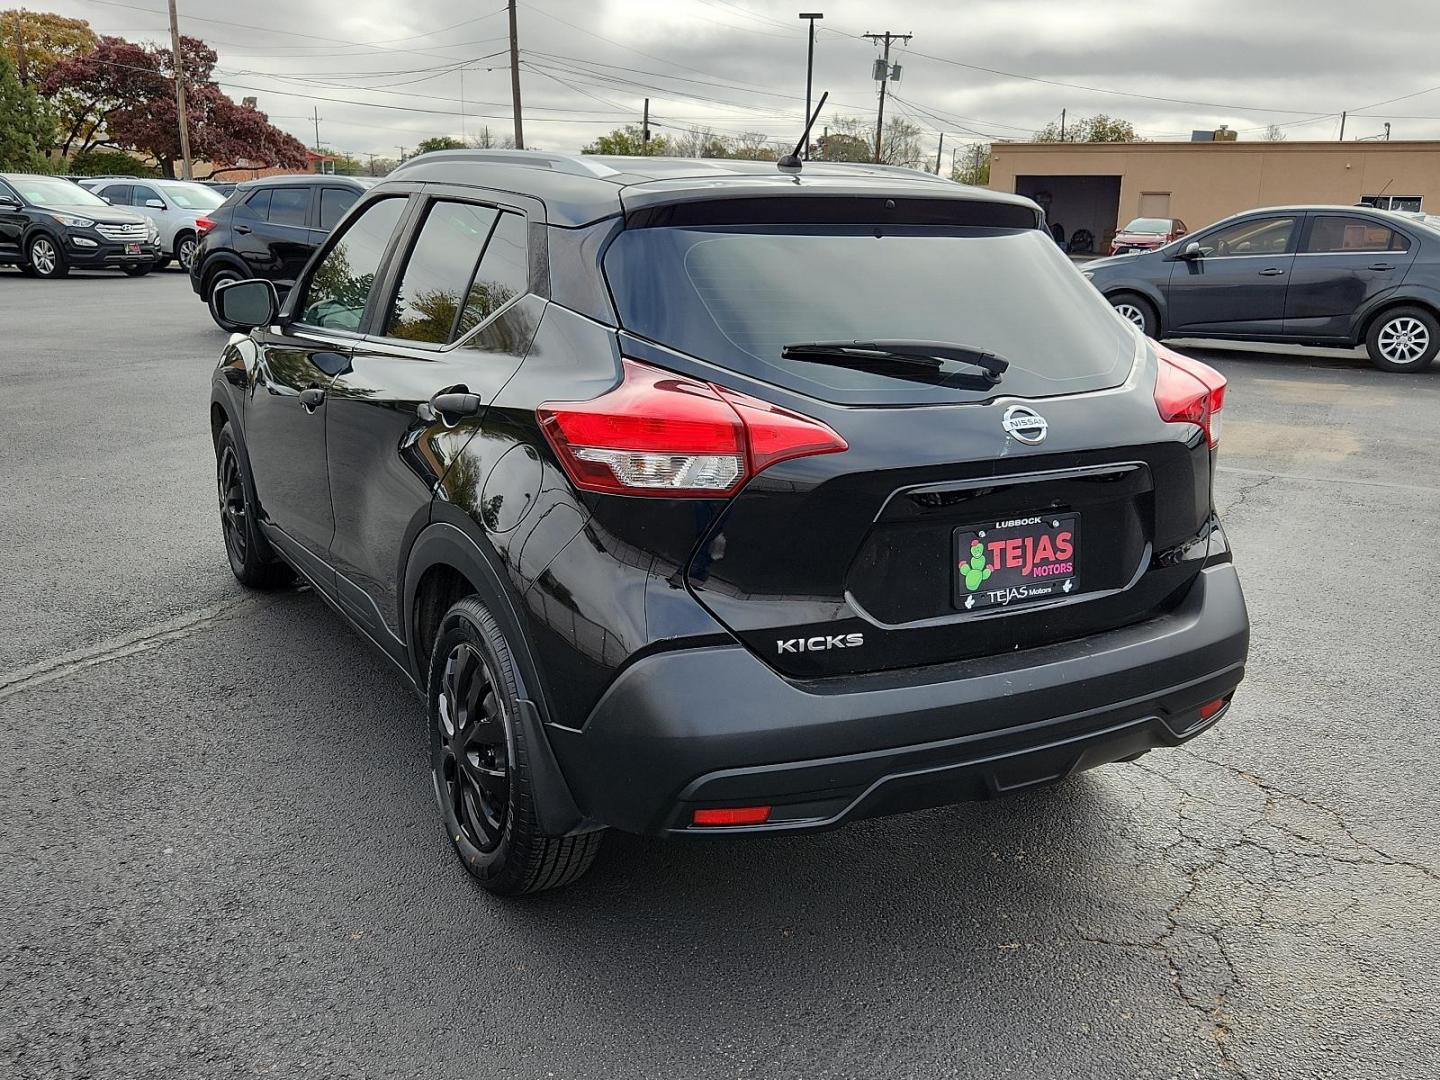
220, 856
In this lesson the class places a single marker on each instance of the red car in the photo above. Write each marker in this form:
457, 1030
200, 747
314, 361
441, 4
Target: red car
1147, 234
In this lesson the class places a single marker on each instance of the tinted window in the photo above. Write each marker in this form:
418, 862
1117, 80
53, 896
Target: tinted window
504, 273
141, 195
439, 271
1256, 236
333, 204
1341, 234
116, 194
337, 291
736, 295
289, 205
256, 207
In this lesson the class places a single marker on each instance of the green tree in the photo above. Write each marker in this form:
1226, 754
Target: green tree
46, 39
972, 165
345, 164
1090, 129
438, 142
27, 128
99, 161
629, 141
852, 138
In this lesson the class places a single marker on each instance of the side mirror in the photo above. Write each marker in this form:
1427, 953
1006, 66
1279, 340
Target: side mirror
1192, 251
155, 204
248, 303
9, 202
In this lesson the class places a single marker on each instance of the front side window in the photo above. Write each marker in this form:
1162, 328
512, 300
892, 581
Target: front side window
1337, 235
338, 290
141, 196
333, 204
438, 275
289, 206
1255, 236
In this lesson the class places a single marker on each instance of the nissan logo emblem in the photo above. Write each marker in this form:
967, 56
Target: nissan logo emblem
1025, 425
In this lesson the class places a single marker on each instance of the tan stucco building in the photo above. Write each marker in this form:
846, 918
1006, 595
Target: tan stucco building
1100, 186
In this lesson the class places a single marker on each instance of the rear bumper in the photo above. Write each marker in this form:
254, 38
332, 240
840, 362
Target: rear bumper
717, 727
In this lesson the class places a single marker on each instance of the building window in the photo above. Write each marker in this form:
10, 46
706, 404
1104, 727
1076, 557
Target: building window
1410, 204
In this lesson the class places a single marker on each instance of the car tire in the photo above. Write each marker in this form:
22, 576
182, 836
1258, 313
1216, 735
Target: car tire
1136, 309
479, 762
185, 245
26, 269
162, 262
138, 271
218, 278
45, 256
252, 560
1403, 339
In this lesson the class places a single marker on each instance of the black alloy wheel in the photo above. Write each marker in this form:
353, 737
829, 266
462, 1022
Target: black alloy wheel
252, 560
474, 764
479, 762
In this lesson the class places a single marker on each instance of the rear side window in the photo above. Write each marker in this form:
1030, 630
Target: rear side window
737, 295
1338, 235
289, 206
333, 204
256, 207
503, 274
467, 263
339, 289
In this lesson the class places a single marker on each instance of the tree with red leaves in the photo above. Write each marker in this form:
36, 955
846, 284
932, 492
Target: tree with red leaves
123, 94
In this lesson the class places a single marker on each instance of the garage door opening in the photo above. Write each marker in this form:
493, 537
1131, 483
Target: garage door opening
1081, 208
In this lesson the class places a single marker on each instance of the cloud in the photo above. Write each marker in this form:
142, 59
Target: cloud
383, 76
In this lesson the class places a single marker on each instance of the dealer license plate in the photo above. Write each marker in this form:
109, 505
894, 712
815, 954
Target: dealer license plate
1017, 561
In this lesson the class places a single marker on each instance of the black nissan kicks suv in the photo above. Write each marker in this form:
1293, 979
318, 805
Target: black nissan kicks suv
697, 498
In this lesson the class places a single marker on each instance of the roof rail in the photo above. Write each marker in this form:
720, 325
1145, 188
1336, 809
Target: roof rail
574, 164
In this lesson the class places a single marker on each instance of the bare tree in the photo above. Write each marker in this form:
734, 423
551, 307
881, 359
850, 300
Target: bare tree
1273, 134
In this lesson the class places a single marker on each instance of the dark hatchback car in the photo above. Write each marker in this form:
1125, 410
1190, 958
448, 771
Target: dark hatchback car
49, 225
268, 229
696, 499
1306, 275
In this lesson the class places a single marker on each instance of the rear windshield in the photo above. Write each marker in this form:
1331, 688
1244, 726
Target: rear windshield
736, 295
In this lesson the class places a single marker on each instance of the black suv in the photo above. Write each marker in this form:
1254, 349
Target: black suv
49, 224
268, 229
1304, 275
699, 499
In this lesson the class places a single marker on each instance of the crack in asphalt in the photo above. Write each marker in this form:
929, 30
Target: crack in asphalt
1180, 932
143, 640
1245, 492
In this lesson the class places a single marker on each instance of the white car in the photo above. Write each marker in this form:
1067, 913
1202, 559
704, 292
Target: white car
172, 204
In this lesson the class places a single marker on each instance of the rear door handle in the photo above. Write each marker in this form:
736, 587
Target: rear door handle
312, 399
242, 229
1382, 266
1273, 271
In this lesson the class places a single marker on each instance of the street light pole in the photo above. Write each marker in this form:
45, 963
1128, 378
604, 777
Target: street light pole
810, 67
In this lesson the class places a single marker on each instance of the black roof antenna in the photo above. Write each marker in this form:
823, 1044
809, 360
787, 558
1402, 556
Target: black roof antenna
791, 162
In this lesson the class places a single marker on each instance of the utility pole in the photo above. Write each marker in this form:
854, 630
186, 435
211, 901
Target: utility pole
180, 91
1062, 125
22, 67
645, 125
316, 109
975, 176
1342, 126
885, 75
938, 151
515, 79
372, 158
810, 67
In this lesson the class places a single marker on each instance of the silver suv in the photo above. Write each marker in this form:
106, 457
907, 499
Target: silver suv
172, 204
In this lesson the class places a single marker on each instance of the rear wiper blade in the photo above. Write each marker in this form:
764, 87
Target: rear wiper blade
922, 361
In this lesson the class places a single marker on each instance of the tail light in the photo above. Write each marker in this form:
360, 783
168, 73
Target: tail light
666, 435
1189, 392
203, 225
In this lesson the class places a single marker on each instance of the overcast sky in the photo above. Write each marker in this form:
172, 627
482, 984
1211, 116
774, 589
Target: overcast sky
383, 77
